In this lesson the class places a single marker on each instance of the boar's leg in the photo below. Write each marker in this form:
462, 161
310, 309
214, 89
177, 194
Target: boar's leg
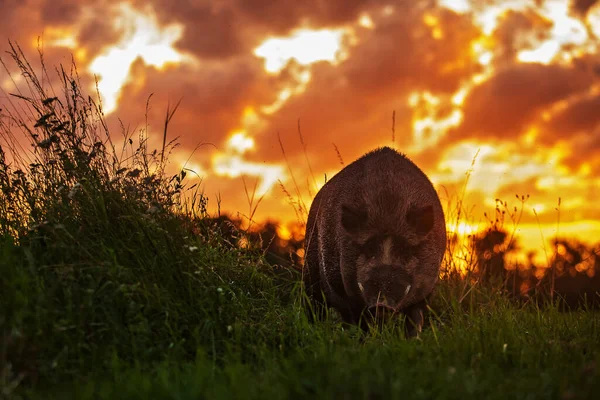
319, 307
315, 299
415, 318
312, 282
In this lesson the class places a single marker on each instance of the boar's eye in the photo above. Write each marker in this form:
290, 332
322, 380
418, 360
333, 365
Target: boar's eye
370, 248
420, 219
353, 219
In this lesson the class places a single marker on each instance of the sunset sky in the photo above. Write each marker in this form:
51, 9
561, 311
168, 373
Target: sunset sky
515, 82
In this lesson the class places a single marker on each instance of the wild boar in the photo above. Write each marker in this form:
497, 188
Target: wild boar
375, 239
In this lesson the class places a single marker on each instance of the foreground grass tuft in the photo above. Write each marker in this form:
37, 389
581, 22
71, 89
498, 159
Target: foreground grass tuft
115, 285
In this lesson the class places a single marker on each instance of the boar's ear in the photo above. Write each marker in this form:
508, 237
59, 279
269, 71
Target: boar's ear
353, 219
420, 219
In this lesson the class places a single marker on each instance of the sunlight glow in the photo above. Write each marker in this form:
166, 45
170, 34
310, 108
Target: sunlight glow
294, 88
501, 162
463, 228
458, 99
195, 170
58, 37
428, 131
304, 45
585, 169
543, 54
250, 118
539, 207
565, 30
593, 20
284, 232
433, 22
458, 6
231, 163
482, 50
489, 17
143, 38
234, 166
366, 22
428, 128
240, 142
530, 136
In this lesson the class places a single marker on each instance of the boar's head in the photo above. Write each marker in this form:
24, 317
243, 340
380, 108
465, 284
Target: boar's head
392, 260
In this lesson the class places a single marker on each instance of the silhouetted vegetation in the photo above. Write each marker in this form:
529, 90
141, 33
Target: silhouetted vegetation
572, 278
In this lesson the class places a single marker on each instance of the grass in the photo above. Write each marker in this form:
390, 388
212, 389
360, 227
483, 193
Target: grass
475, 360
115, 285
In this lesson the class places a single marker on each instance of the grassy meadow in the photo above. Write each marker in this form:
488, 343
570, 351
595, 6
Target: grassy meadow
116, 284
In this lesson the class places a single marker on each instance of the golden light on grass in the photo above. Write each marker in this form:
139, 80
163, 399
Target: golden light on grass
143, 38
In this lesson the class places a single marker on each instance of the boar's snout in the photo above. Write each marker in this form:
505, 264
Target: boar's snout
385, 287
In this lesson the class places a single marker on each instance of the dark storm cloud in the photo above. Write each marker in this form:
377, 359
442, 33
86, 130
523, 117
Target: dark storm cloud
505, 104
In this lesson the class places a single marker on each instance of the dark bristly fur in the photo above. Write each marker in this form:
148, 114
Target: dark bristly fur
375, 238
